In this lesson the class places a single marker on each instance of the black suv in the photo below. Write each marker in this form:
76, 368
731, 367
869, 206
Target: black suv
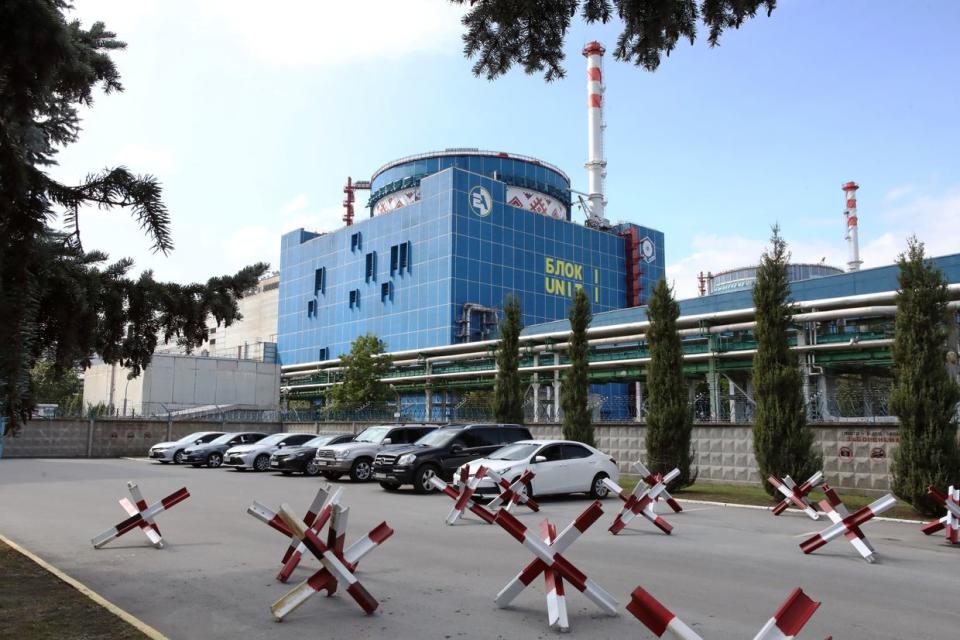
440, 453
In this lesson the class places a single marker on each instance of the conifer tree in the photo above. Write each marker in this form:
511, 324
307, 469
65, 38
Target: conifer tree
669, 416
507, 402
924, 398
782, 441
577, 424
60, 302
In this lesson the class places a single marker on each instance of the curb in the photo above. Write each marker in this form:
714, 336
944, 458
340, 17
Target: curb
792, 510
129, 618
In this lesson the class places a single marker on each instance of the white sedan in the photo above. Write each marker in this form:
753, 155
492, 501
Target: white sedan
256, 456
559, 466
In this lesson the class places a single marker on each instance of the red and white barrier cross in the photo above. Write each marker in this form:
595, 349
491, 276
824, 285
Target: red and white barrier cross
463, 495
141, 516
950, 522
317, 515
339, 564
652, 480
847, 524
796, 495
512, 493
785, 624
556, 568
640, 502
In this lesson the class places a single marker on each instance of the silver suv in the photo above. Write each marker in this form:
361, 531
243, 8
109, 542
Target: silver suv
356, 458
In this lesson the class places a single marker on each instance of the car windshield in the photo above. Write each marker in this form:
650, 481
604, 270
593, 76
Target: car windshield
373, 434
190, 438
438, 438
276, 438
224, 439
514, 452
319, 441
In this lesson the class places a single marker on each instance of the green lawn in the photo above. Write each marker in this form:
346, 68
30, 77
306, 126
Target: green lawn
755, 495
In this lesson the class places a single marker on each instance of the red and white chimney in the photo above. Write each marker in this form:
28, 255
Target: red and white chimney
850, 213
596, 165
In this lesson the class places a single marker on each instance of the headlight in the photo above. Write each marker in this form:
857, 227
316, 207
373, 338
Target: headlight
406, 459
301, 456
341, 455
159, 448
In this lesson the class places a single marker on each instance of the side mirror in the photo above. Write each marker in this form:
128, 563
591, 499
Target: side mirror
457, 448
538, 459
386, 441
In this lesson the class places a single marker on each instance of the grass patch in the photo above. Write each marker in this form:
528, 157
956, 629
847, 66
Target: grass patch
755, 495
36, 605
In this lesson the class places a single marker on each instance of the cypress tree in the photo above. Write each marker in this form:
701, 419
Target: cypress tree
924, 398
669, 417
507, 391
782, 442
573, 398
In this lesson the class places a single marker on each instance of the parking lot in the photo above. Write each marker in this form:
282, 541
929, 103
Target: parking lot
724, 571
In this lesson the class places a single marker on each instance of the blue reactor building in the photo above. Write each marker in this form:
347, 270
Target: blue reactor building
449, 236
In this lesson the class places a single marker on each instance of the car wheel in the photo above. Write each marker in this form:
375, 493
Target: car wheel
421, 479
527, 488
361, 470
390, 486
331, 475
261, 463
311, 469
598, 490
214, 460
178, 457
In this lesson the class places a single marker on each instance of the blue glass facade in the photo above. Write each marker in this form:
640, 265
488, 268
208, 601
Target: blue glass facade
427, 273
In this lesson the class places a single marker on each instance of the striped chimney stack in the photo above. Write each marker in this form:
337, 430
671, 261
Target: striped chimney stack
850, 213
596, 165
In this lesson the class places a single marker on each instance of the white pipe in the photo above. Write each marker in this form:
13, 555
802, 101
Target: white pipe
627, 328
596, 166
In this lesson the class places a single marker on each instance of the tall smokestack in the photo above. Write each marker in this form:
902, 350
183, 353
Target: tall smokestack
596, 165
853, 241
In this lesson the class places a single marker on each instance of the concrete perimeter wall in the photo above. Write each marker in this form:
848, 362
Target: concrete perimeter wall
855, 456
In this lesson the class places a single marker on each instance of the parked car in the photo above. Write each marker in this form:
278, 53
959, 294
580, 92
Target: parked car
302, 458
256, 456
440, 453
356, 458
211, 453
559, 466
166, 452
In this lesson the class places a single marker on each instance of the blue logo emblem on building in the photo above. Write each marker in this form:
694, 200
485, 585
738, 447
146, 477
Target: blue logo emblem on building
648, 250
481, 202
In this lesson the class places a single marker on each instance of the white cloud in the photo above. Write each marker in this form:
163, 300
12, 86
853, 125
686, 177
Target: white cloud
898, 192
144, 159
322, 33
883, 236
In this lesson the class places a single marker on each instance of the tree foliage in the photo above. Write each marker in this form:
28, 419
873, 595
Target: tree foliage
363, 368
924, 396
59, 301
507, 390
501, 33
669, 415
782, 441
577, 423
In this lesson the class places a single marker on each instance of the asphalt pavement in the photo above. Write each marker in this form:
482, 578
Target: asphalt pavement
724, 571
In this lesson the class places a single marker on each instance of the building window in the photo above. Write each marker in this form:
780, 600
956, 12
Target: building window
400, 258
311, 308
320, 281
386, 291
372, 266
324, 354
354, 298
356, 241
404, 261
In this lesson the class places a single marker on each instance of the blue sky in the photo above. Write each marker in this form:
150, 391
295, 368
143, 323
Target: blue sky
253, 115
